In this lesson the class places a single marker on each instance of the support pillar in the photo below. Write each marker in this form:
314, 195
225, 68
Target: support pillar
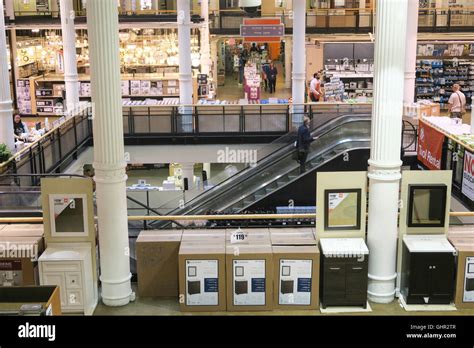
69, 49
6, 104
288, 60
185, 68
411, 48
205, 44
155, 5
299, 59
10, 10
214, 65
109, 159
385, 163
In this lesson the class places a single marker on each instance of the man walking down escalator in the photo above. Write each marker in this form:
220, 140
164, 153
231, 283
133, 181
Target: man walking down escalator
303, 143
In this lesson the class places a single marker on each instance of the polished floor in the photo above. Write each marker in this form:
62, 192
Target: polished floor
170, 306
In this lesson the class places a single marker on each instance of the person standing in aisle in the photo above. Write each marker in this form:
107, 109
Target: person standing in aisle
265, 71
315, 88
302, 143
272, 77
457, 102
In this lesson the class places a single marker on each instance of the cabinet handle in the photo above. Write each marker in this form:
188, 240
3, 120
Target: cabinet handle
357, 268
334, 268
434, 267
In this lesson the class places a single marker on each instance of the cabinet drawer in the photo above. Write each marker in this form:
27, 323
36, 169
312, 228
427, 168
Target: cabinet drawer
73, 280
68, 266
74, 298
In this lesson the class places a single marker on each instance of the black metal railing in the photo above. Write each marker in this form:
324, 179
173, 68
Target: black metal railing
51, 153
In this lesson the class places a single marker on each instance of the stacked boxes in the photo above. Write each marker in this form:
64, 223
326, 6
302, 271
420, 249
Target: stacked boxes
157, 263
202, 271
296, 264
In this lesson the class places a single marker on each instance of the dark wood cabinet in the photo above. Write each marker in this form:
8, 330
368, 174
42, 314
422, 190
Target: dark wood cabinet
428, 272
344, 275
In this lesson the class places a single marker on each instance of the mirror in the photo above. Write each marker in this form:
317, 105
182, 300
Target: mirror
342, 209
427, 205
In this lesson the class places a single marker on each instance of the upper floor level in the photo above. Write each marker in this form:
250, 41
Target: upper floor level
225, 16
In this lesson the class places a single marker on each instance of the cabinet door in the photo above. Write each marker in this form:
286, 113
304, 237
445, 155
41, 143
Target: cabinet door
334, 279
356, 282
420, 275
442, 278
57, 278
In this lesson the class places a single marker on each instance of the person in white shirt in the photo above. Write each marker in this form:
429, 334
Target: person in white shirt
315, 88
457, 102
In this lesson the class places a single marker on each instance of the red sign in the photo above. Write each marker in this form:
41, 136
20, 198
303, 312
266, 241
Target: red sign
262, 30
430, 146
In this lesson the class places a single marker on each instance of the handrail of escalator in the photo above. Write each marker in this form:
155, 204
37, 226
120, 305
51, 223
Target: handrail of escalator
242, 175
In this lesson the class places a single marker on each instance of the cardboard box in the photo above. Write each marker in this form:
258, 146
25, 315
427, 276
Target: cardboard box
9, 245
205, 236
465, 231
435, 109
249, 277
202, 277
157, 263
22, 230
296, 277
423, 111
464, 297
293, 236
253, 235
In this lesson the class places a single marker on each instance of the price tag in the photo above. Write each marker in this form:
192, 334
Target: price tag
238, 237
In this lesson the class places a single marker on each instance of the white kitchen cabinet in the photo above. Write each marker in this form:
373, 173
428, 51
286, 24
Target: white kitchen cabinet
69, 266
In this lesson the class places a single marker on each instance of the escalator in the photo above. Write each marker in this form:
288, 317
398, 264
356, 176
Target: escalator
336, 136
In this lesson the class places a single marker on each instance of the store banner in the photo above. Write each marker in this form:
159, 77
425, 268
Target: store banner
430, 146
468, 176
262, 30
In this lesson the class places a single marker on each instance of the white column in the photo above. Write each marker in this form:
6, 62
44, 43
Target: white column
10, 9
69, 48
6, 104
54, 8
385, 163
185, 69
214, 55
155, 5
288, 61
411, 48
109, 163
188, 173
205, 45
299, 58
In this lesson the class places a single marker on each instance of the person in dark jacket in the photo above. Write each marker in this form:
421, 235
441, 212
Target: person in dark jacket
272, 77
303, 143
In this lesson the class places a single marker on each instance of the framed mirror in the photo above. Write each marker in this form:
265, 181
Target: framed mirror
342, 209
68, 215
426, 205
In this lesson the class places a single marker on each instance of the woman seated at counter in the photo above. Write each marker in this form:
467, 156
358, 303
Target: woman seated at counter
20, 129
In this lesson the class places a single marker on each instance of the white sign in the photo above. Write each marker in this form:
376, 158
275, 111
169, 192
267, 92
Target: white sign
335, 199
249, 282
468, 176
202, 282
238, 237
295, 282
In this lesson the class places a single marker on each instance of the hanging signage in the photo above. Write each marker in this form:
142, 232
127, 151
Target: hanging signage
468, 176
262, 30
430, 146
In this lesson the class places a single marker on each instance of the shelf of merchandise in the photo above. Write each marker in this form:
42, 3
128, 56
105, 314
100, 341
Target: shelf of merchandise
435, 78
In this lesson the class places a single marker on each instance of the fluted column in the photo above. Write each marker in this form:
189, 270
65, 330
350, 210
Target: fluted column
109, 162
205, 45
71, 77
6, 104
185, 68
299, 58
411, 48
385, 163
288, 60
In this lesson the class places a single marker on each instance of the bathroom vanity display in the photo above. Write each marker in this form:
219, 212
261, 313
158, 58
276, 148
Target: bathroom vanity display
428, 269
344, 272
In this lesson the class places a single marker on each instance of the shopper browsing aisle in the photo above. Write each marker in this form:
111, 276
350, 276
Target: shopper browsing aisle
457, 102
272, 77
315, 88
